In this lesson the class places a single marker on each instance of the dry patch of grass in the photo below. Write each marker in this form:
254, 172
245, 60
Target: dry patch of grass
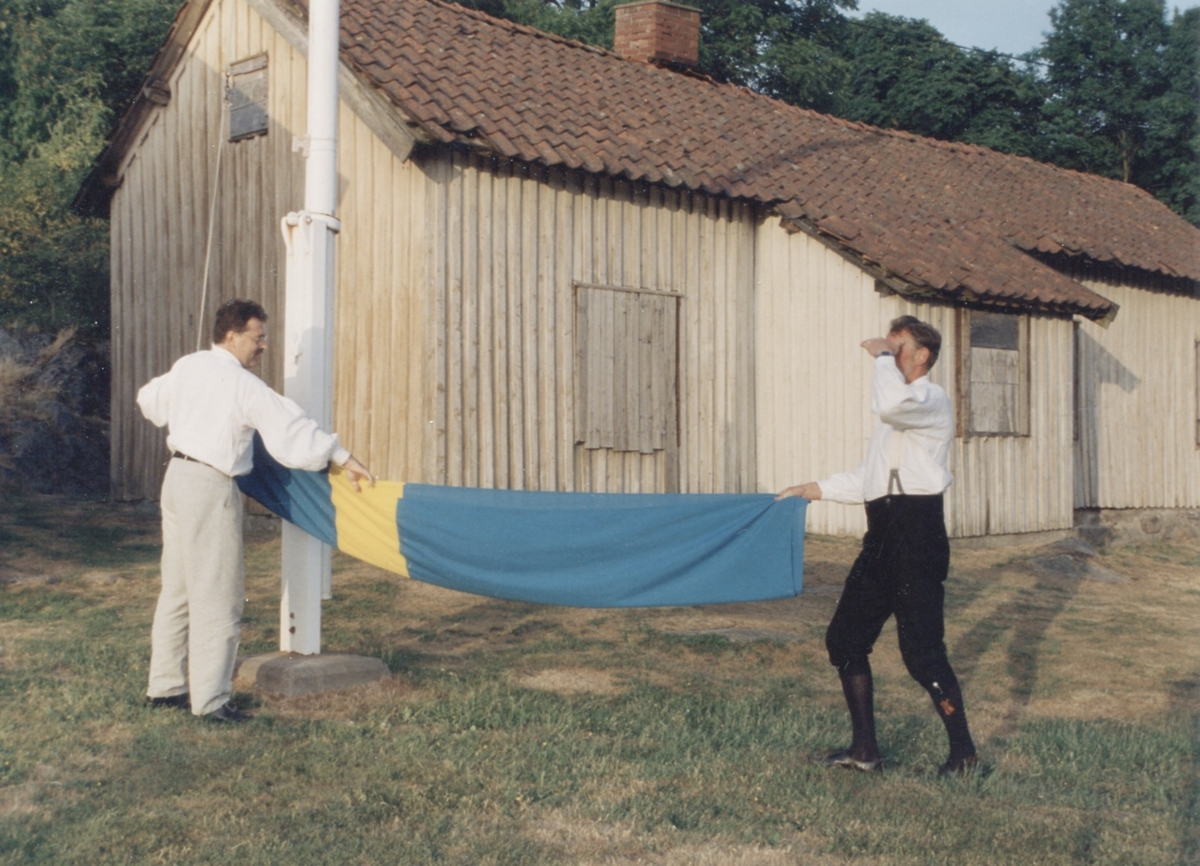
522, 734
579, 838
569, 681
384, 698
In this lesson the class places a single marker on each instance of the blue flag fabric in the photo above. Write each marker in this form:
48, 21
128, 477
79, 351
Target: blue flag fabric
603, 550
578, 549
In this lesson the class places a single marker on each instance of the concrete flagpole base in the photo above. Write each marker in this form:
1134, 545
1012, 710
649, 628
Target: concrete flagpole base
292, 674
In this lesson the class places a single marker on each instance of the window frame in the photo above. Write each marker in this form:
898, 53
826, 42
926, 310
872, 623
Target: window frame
252, 74
965, 420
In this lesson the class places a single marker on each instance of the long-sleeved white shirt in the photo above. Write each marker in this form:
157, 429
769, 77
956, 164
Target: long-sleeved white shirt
919, 412
211, 405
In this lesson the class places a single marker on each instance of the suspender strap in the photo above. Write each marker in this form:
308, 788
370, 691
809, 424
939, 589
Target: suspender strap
895, 446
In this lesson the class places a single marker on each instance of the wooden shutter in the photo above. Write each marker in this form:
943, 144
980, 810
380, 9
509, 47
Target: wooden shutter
997, 374
248, 98
628, 367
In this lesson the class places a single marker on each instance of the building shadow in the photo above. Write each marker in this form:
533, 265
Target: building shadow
1095, 367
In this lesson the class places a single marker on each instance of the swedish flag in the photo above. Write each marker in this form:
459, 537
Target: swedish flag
576, 549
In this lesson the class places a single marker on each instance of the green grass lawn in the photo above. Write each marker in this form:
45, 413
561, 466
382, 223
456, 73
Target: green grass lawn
520, 734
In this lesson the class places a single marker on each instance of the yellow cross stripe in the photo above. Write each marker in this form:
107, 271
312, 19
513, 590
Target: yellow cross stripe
366, 521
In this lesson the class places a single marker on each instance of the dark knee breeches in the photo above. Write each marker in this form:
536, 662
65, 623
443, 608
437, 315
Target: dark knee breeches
900, 571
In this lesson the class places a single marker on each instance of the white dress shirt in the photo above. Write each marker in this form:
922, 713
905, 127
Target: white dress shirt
211, 405
920, 414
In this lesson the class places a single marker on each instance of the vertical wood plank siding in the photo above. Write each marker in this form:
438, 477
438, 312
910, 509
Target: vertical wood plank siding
455, 352
1137, 401
507, 244
813, 395
160, 219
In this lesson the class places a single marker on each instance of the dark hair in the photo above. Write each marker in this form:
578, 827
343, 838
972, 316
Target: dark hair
234, 316
924, 335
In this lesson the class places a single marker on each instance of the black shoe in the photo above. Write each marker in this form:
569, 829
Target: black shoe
228, 713
842, 758
961, 767
183, 702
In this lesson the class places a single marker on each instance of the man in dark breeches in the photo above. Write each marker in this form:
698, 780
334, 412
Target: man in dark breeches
905, 555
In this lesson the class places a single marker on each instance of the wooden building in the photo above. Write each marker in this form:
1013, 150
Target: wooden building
564, 268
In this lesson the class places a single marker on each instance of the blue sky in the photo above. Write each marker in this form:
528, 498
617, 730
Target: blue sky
1012, 26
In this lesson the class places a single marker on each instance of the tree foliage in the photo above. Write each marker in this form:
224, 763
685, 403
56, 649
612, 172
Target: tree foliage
66, 68
1170, 168
1104, 65
783, 48
906, 75
589, 21
1123, 94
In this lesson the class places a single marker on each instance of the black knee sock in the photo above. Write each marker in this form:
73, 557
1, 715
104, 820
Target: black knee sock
859, 690
948, 701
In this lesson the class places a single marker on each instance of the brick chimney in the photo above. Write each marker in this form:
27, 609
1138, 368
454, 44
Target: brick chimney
655, 31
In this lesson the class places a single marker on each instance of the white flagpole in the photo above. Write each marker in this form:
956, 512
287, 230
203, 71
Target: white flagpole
308, 339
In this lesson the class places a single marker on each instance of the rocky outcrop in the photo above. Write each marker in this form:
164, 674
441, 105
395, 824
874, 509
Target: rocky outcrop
54, 397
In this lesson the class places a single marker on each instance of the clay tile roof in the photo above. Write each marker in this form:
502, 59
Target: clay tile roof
949, 219
952, 218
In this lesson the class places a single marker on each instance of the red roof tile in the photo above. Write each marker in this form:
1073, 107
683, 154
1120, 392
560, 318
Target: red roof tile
893, 198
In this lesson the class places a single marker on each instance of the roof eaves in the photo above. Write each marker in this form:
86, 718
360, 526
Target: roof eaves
961, 294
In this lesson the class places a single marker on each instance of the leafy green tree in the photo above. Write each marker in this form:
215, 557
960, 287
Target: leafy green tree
66, 68
783, 48
589, 21
1105, 71
1170, 163
905, 75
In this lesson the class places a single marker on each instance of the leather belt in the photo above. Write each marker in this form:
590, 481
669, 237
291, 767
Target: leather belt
179, 455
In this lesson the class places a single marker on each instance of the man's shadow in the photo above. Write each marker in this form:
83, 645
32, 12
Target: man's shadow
1024, 619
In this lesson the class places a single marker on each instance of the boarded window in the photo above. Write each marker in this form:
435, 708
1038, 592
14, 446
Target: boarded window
995, 374
247, 98
627, 367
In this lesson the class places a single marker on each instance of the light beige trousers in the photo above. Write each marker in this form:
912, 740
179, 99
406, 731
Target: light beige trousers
196, 630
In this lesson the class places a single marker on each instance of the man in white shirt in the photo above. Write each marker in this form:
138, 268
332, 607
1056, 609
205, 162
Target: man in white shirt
905, 554
212, 405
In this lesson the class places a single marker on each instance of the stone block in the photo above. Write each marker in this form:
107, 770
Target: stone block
292, 674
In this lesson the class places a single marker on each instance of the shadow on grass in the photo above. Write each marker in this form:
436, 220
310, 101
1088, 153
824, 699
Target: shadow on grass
1024, 618
89, 533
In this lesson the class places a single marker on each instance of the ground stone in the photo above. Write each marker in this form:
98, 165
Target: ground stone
54, 425
292, 674
1074, 557
1073, 546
